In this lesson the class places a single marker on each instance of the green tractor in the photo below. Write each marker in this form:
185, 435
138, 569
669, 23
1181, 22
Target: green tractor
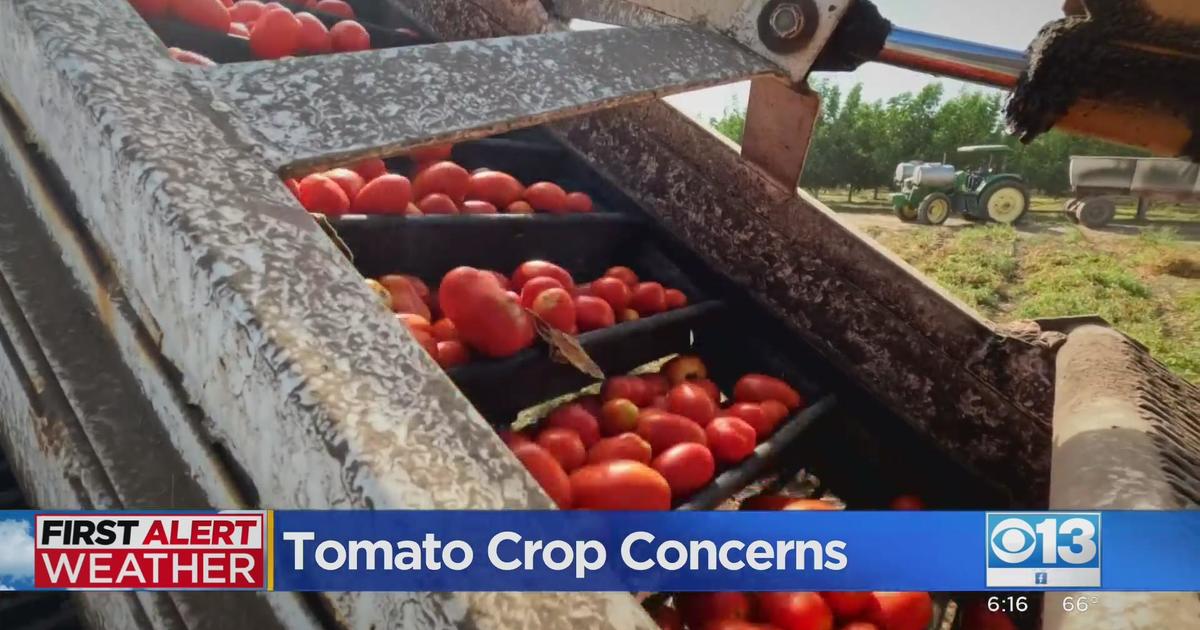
929, 192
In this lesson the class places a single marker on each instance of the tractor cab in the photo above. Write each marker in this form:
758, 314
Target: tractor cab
982, 192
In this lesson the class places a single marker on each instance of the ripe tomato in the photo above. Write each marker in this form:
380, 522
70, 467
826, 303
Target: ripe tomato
628, 387
907, 502
617, 416
349, 36
385, 194
314, 38
556, 308
775, 411
444, 330
624, 446
207, 14
576, 417
535, 268
795, 611
613, 291
619, 485
238, 29
624, 274
667, 618
318, 193
451, 354
901, 611
866, 625
519, 207
730, 439
578, 202
275, 34
628, 315
437, 203
846, 606
415, 322
592, 313
700, 609
426, 341
684, 367
431, 154
335, 7
760, 387
150, 8
499, 189
547, 197
709, 388
675, 299
663, 430
445, 177
246, 11
405, 296
350, 181
687, 467
564, 445
513, 438
547, 471
535, 286
369, 168
692, 401
292, 185
487, 319
811, 505
501, 278
753, 415
648, 298
474, 206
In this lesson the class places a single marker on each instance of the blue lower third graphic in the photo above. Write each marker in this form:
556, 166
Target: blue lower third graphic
1043, 550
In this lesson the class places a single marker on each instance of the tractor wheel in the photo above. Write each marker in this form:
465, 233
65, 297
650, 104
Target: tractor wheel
905, 213
1096, 213
1005, 202
934, 209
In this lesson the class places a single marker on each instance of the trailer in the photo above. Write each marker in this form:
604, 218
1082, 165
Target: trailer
177, 332
1098, 182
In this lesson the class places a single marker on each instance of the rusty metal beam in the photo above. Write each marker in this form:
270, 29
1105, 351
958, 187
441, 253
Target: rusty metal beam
326, 109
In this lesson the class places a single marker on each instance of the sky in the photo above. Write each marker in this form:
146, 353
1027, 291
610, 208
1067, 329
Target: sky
16, 550
1008, 23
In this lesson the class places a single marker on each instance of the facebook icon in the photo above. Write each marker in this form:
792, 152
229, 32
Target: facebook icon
1039, 577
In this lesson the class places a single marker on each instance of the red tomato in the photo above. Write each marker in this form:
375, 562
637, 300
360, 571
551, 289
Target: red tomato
350, 181
535, 286
411, 210
513, 438
499, 189
617, 416
775, 411
846, 606
314, 38
293, 186
624, 274
700, 609
535, 268
760, 387
274, 35
576, 417
474, 206
752, 414
349, 36
687, 467
738, 624
628, 315
591, 402
444, 330
767, 503
628, 387
556, 308
547, 197
592, 313
675, 299
667, 618
685, 367
487, 319
415, 322
709, 388
519, 207
730, 439
447, 178
578, 202
692, 401
246, 11
907, 502
811, 505
187, 56
648, 298
426, 341
501, 278
795, 611
227, 3
238, 29
369, 168
385, 194
976, 616
318, 193
866, 625
547, 471
620, 485
613, 291
624, 446
451, 354
663, 430
901, 611
564, 445
150, 8
431, 154
420, 287
405, 296
207, 14
437, 203
335, 7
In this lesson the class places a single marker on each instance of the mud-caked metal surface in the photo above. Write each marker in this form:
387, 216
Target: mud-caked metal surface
309, 384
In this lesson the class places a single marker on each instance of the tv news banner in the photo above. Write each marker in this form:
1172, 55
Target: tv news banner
604, 551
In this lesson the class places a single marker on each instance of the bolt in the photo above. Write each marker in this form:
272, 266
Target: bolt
787, 21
